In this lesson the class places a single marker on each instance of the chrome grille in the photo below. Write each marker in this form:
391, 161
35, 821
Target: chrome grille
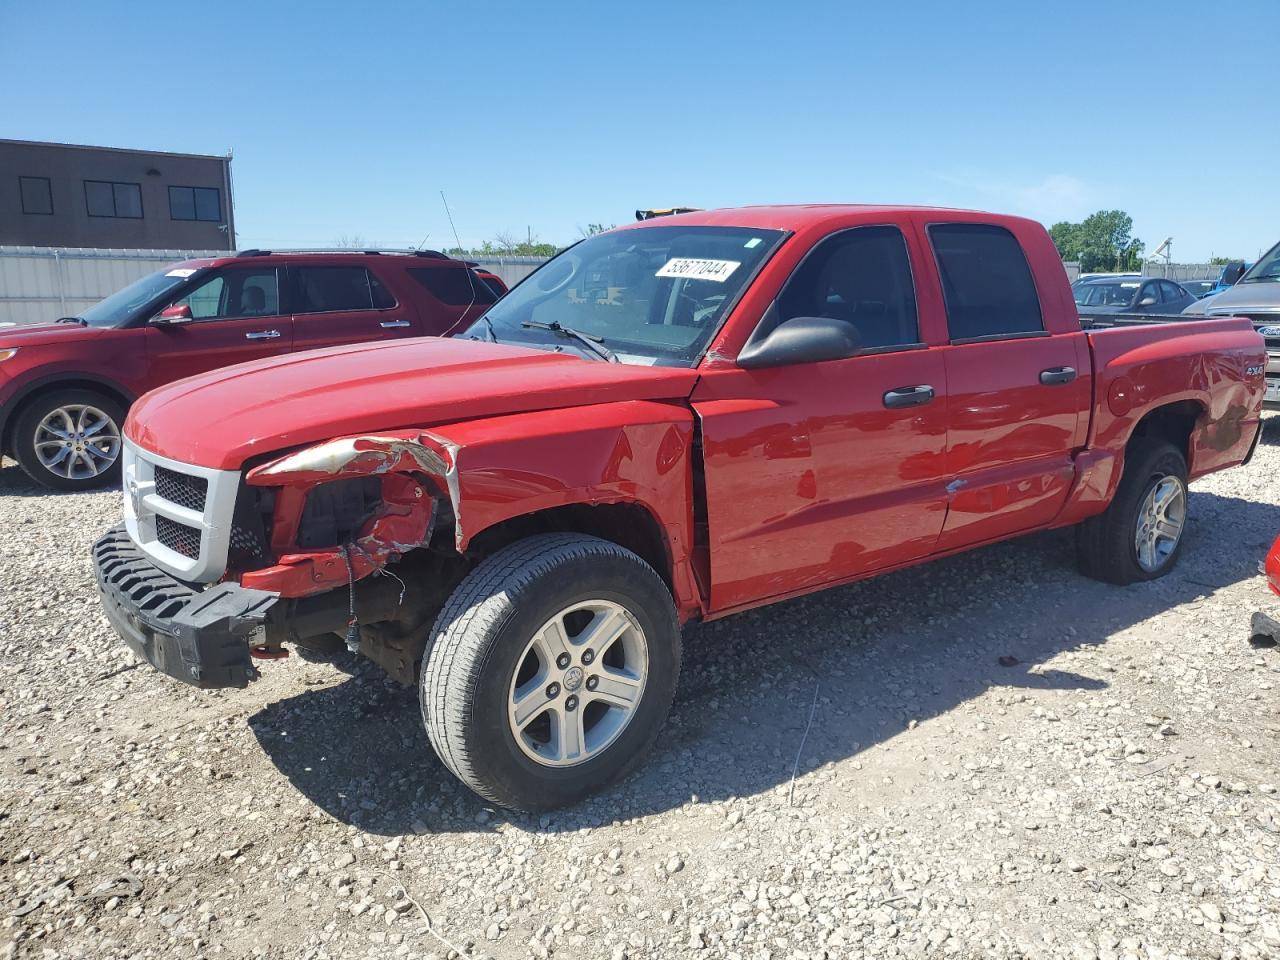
181, 488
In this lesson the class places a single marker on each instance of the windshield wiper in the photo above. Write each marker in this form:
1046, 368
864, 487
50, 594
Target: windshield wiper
1270, 277
488, 326
594, 343
80, 320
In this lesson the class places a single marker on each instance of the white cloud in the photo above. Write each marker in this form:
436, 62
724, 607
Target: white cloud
1058, 196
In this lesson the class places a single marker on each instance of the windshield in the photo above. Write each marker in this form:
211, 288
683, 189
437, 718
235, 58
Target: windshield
1106, 294
123, 305
1265, 270
652, 295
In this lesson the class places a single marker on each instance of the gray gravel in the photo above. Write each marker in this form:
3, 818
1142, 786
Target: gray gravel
1004, 760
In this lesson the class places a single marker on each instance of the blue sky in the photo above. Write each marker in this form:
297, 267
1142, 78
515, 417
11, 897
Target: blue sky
348, 120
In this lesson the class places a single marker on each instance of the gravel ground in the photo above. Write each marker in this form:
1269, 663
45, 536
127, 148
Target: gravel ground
997, 758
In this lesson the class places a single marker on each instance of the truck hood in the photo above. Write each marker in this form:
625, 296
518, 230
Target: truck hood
40, 334
223, 418
1243, 298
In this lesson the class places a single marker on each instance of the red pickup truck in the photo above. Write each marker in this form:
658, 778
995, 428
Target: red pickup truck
65, 386
675, 420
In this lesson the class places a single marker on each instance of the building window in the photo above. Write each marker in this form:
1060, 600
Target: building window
37, 195
104, 199
195, 203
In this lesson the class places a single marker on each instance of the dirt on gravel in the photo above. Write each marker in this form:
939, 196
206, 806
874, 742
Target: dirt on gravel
992, 757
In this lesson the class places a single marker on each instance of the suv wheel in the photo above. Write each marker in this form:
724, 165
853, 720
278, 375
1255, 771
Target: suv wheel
70, 440
1140, 534
551, 671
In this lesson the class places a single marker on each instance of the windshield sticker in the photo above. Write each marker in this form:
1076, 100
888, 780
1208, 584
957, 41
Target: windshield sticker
752, 243
184, 272
691, 269
1128, 284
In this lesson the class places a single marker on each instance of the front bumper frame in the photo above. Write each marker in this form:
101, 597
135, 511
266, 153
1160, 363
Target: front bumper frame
200, 636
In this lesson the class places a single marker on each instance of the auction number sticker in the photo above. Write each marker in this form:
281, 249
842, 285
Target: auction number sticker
180, 272
692, 269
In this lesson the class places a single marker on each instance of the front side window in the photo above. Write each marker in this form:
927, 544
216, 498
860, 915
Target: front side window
234, 294
986, 282
195, 203
861, 276
334, 289
1172, 292
652, 295
106, 199
37, 195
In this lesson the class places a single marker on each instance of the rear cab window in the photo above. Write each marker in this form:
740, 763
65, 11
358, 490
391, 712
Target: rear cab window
986, 283
337, 289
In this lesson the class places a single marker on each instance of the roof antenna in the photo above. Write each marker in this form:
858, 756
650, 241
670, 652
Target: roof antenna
471, 277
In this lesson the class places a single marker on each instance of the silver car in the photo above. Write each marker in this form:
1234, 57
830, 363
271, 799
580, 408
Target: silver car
1256, 296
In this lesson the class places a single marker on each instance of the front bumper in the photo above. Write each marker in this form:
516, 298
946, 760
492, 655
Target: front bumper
199, 636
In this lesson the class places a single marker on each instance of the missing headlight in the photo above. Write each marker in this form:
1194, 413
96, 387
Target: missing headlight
335, 511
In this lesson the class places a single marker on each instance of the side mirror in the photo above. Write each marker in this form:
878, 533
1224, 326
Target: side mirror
176, 314
801, 340
1147, 302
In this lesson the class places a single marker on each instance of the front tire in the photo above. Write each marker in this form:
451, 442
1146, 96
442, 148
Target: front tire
70, 439
1139, 536
552, 668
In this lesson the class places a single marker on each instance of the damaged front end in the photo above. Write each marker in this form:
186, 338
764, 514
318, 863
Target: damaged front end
313, 538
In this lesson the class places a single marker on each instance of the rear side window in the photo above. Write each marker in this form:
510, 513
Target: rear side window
456, 286
863, 277
331, 289
986, 282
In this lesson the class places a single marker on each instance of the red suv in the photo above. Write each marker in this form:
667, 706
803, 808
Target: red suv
65, 387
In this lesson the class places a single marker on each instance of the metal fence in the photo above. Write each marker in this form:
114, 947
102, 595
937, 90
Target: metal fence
1182, 271
43, 283
38, 284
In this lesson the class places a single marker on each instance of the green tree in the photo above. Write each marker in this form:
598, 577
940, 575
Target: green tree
1102, 241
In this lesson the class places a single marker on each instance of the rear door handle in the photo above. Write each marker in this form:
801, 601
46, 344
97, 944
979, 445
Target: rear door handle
1057, 375
262, 335
908, 396
392, 324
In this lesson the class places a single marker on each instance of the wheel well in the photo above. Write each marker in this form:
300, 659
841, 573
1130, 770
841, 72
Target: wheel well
1173, 423
97, 386
628, 525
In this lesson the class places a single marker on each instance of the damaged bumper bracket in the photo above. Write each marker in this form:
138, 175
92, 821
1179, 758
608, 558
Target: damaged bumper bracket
198, 636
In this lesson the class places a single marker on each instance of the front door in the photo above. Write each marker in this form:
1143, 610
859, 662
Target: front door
1019, 392
820, 472
235, 318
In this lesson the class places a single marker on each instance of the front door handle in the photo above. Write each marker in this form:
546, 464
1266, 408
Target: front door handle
1057, 375
262, 335
908, 396
392, 324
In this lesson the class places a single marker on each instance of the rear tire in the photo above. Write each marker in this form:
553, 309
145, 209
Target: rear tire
70, 439
551, 671
1139, 536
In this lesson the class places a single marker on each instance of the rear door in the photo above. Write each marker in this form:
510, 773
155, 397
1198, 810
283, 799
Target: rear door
820, 472
1019, 386
344, 303
236, 317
